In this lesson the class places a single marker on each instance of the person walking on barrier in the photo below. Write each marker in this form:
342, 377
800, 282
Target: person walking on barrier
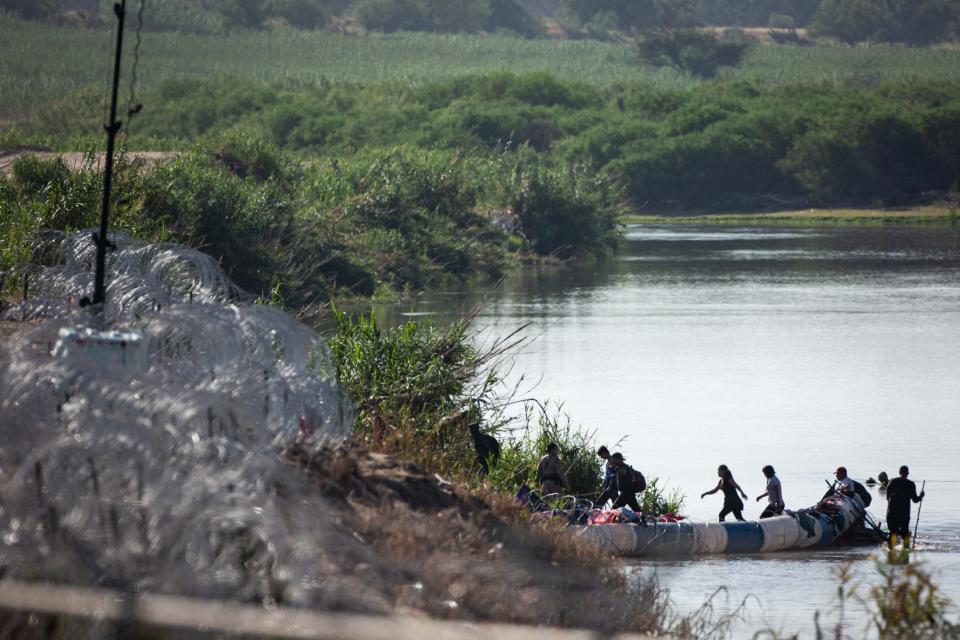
731, 501
773, 494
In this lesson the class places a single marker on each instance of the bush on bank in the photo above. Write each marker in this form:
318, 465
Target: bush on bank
378, 221
721, 145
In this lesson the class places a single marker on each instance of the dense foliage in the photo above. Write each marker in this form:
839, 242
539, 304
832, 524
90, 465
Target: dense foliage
909, 21
548, 154
916, 22
467, 16
691, 51
412, 387
30, 9
382, 220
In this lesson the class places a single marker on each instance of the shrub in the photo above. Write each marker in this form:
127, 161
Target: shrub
30, 9
521, 453
56, 197
248, 156
691, 51
243, 13
412, 387
563, 210
916, 22
443, 15
304, 14
185, 16
656, 501
236, 220
391, 15
629, 13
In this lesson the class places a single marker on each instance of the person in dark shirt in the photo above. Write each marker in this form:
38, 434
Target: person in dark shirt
731, 501
609, 473
900, 491
624, 484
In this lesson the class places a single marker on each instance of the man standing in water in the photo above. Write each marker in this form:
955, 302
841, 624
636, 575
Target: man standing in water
551, 475
773, 494
900, 492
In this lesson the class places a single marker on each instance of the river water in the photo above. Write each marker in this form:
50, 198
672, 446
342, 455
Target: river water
801, 348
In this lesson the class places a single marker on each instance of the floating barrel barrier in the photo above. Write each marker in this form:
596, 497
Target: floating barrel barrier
817, 526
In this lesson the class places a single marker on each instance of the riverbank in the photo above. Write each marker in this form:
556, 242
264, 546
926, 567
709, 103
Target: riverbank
942, 215
162, 616
371, 533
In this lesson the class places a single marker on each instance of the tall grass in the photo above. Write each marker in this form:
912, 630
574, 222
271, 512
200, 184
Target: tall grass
40, 62
416, 387
904, 604
521, 451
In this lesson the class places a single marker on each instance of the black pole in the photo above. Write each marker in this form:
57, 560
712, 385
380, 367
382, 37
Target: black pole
112, 127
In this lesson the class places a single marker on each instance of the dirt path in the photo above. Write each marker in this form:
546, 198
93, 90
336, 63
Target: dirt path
76, 160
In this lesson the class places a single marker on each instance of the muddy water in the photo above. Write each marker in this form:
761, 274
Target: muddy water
804, 349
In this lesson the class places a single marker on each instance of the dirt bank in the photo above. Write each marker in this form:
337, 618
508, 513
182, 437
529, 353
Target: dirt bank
77, 160
432, 548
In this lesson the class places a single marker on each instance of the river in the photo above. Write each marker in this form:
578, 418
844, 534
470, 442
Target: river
801, 348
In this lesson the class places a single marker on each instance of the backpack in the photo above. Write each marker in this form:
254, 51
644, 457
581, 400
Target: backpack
639, 482
863, 494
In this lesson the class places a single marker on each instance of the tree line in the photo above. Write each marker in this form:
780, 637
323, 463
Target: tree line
914, 22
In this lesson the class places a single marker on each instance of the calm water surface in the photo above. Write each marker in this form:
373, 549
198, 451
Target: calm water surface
804, 349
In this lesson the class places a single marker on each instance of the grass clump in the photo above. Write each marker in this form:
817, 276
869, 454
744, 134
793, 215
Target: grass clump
521, 452
413, 387
905, 604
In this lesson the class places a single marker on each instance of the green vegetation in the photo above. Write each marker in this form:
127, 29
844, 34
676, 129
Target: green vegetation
444, 16
691, 51
415, 388
522, 450
721, 146
379, 221
43, 62
917, 22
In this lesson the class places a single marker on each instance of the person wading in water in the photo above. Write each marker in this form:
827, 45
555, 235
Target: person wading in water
900, 492
731, 501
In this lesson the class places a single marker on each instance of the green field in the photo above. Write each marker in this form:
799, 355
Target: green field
39, 62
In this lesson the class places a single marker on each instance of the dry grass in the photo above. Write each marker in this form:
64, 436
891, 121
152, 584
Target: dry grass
449, 552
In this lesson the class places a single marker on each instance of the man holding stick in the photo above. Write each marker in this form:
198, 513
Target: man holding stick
900, 492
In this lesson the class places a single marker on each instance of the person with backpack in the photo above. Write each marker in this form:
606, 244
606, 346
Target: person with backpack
627, 482
609, 472
731, 501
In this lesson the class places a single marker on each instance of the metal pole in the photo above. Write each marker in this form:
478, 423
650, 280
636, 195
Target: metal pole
916, 525
112, 127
